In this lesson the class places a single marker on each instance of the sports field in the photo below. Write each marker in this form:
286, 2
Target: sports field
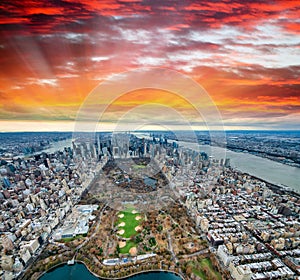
128, 221
128, 224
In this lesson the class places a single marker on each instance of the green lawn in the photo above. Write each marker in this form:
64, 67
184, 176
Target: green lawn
69, 239
130, 223
128, 246
199, 273
198, 269
207, 263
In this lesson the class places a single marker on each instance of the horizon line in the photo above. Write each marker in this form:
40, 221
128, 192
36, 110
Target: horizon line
150, 130
66, 126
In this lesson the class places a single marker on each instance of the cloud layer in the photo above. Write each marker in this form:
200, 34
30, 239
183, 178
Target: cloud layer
244, 53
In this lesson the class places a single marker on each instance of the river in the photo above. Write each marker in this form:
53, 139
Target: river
79, 271
266, 169
56, 146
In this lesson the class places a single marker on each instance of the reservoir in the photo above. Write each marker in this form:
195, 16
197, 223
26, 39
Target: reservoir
79, 272
150, 182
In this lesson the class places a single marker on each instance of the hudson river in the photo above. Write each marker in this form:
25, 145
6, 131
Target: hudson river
79, 272
266, 169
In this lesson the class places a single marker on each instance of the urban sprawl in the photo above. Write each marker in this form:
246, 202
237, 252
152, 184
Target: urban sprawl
123, 204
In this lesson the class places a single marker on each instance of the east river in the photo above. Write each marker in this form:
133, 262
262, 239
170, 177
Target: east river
79, 271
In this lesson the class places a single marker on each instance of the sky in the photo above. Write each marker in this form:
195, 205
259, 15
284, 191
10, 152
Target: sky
244, 54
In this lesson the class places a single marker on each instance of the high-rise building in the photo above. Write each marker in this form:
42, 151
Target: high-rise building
7, 243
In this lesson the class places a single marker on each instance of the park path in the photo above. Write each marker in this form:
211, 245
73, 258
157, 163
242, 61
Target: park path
201, 252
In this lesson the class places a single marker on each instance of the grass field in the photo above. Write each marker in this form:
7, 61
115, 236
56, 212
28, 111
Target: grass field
129, 245
200, 267
199, 273
129, 228
130, 223
69, 239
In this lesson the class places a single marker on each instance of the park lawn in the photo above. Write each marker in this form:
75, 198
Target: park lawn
205, 270
69, 239
128, 246
130, 223
207, 263
199, 273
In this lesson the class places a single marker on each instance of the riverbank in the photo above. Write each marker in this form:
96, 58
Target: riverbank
276, 188
274, 157
262, 168
254, 165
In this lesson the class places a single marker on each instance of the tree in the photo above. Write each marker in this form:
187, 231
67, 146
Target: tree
159, 228
138, 238
152, 241
118, 250
189, 270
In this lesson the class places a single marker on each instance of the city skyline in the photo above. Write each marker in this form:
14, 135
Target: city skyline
245, 55
127, 204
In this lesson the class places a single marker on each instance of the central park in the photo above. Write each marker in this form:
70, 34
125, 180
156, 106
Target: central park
164, 239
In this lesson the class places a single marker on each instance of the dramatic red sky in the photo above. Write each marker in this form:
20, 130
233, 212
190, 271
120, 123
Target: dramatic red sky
246, 54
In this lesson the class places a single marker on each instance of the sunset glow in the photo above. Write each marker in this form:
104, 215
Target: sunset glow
245, 54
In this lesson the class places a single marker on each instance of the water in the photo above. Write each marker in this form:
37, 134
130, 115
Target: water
80, 272
266, 169
69, 272
150, 182
156, 276
56, 146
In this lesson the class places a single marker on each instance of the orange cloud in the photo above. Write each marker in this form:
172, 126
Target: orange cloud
52, 56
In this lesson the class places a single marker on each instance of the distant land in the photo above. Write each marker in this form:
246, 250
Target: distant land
278, 145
